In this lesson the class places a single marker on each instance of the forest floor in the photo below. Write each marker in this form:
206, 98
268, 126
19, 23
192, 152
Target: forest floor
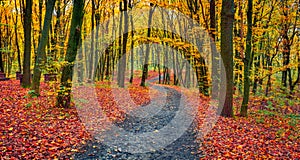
32, 127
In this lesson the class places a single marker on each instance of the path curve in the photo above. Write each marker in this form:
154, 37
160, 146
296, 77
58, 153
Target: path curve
184, 147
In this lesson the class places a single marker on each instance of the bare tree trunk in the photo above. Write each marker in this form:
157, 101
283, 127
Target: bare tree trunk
41, 54
145, 68
91, 56
27, 46
227, 19
247, 60
1, 60
122, 68
17, 39
132, 45
64, 95
215, 54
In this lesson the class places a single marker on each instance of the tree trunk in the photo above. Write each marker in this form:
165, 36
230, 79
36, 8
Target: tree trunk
158, 64
64, 95
122, 68
1, 60
215, 54
256, 74
120, 44
27, 46
227, 18
286, 61
17, 39
239, 50
132, 51
247, 60
41, 54
91, 56
145, 68
55, 39
298, 74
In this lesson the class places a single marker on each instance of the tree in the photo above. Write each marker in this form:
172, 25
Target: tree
227, 18
122, 51
91, 64
215, 54
16, 37
289, 24
247, 60
145, 68
27, 45
41, 54
132, 43
1, 61
64, 95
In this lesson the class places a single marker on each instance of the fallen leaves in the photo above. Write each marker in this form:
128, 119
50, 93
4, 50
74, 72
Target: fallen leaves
244, 138
33, 128
40, 131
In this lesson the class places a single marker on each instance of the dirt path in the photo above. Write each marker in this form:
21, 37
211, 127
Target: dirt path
139, 143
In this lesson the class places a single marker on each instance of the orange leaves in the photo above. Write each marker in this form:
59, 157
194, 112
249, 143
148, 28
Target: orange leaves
245, 138
33, 128
41, 131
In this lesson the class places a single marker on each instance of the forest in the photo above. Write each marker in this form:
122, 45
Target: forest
149, 79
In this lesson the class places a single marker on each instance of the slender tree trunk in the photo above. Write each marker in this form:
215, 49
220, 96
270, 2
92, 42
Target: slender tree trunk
120, 44
91, 56
40, 15
240, 53
64, 95
113, 53
269, 64
298, 74
1, 60
288, 42
256, 74
158, 65
17, 39
145, 68
174, 67
57, 29
41, 54
166, 78
107, 63
247, 60
227, 19
132, 51
215, 54
122, 68
27, 46
286, 60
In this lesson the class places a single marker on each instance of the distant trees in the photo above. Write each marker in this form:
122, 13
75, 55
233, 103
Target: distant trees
289, 24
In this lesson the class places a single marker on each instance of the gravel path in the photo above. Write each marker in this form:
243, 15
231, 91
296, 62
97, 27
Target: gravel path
142, 128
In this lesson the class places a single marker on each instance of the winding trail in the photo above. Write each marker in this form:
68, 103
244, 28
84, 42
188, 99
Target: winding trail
147, 119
